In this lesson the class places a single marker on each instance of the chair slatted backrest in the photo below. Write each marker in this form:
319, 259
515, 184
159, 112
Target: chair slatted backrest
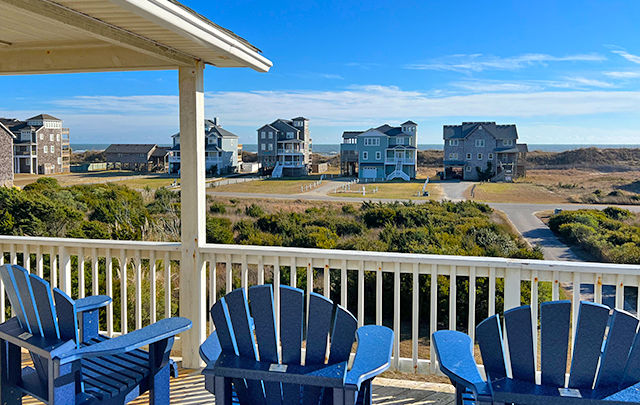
329, 328
605, 349
32, 301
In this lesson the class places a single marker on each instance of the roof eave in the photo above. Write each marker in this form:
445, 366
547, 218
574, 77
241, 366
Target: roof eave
179, 20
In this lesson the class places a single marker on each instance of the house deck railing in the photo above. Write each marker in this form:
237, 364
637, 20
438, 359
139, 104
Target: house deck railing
376, 278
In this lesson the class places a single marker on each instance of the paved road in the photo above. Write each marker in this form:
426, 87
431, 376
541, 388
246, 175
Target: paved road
454, 189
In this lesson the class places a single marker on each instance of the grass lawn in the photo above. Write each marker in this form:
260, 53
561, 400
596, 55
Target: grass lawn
269, 186
400, 190
142, 183
514, 193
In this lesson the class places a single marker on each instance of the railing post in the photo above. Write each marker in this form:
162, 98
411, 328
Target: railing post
192, 173
65, 270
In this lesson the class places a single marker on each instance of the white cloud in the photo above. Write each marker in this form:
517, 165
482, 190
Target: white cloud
590, 82
623, 75
490, 86
627, 55
479, 62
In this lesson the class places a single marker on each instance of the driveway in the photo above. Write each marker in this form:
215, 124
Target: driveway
453, 190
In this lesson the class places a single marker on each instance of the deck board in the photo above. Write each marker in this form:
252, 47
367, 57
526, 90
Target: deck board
188, 389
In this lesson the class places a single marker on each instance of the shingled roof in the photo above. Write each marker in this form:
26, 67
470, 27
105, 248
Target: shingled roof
508, 131
44, 117
130, 148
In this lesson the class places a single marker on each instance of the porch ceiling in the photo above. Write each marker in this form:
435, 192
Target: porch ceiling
42, 36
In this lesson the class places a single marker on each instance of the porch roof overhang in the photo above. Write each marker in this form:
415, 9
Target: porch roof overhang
68, 36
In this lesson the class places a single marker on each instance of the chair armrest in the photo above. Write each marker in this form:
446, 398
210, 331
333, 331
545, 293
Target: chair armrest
12, 332
373, 355
210, 350
92, 302
454, 351
163, 329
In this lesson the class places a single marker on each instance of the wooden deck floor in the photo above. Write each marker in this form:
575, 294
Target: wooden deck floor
188, 389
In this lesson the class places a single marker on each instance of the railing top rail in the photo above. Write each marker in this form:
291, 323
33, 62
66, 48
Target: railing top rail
91, 243
335, 254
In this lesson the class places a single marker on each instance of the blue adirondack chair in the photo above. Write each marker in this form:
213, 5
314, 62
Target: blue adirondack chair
279, 377
72, 363
601, 366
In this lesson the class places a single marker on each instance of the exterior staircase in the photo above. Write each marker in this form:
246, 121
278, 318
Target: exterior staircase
398, 173
277, 171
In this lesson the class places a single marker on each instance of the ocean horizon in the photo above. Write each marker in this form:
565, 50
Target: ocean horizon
333, 149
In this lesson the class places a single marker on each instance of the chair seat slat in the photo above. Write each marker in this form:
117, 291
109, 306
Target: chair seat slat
343, 335
622, 331
489, 337
291, 310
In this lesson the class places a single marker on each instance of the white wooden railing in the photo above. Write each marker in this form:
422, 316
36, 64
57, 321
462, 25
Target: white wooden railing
328, 272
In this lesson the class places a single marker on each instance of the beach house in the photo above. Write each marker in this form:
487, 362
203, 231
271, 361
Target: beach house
284, 147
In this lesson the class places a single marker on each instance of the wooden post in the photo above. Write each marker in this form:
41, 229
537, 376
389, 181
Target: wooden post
192, 176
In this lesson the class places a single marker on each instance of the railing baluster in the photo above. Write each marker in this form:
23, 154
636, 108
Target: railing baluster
415, 317
152, 285
309, 281
492, 291
396, 315
293, 272
260, 270
327, 279
433, 317
65, 270
81, 280
123, 291
229, 270
620, 292
167, 285
343, 283
534, 315
379, 293
39, 261
95, 277
26, 259
555, 287
13, 256
452, 298
472, 303
53, 265
108, 264
211, 258
576, 303
138, 288
361, 294
597, 288
245, 274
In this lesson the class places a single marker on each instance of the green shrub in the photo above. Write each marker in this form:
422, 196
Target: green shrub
349, 209
219, 230
617, 213
217, 207
254, 210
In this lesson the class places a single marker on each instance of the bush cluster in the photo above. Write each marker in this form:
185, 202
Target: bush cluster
611, 235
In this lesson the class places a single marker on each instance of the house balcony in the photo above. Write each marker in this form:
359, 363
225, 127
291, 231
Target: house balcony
362, 281
404, 161
23, 153
174, 159
290, 152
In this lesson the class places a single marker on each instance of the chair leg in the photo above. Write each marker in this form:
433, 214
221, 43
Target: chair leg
159, 372
223, 391
344, 396
10, 361
62, 382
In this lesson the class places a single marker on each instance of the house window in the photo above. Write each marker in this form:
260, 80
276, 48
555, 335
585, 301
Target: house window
468, 156
468, 168
490, 157
479, 143
400, 141
45, 149
507, 142
371, 141
263, 135
52, 147
263, 146
270, 135
365, 155
51, 137
453, 156
41, 137
454, 142
479, 156
59, 160
378, 155
270, 146
58, 137
289, 135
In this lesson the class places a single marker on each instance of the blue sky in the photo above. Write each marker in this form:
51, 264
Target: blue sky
563, 71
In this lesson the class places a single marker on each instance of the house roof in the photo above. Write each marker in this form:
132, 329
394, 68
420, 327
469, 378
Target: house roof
402, 147
300, 118
44, 117
211, 147
7, 130
116, 35
282, 125
130, 148
462, 131
350, 134
267, 126
522, 147
508, 149
222, 132
161, 151
409, 123
454, 163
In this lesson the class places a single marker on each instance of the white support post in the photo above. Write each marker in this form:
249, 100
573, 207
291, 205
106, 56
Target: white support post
65, 270
511, 288
192, 175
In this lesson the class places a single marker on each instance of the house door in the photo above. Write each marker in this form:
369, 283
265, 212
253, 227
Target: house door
399, 155
369, 172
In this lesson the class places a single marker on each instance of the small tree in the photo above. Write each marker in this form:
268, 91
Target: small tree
484, 175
